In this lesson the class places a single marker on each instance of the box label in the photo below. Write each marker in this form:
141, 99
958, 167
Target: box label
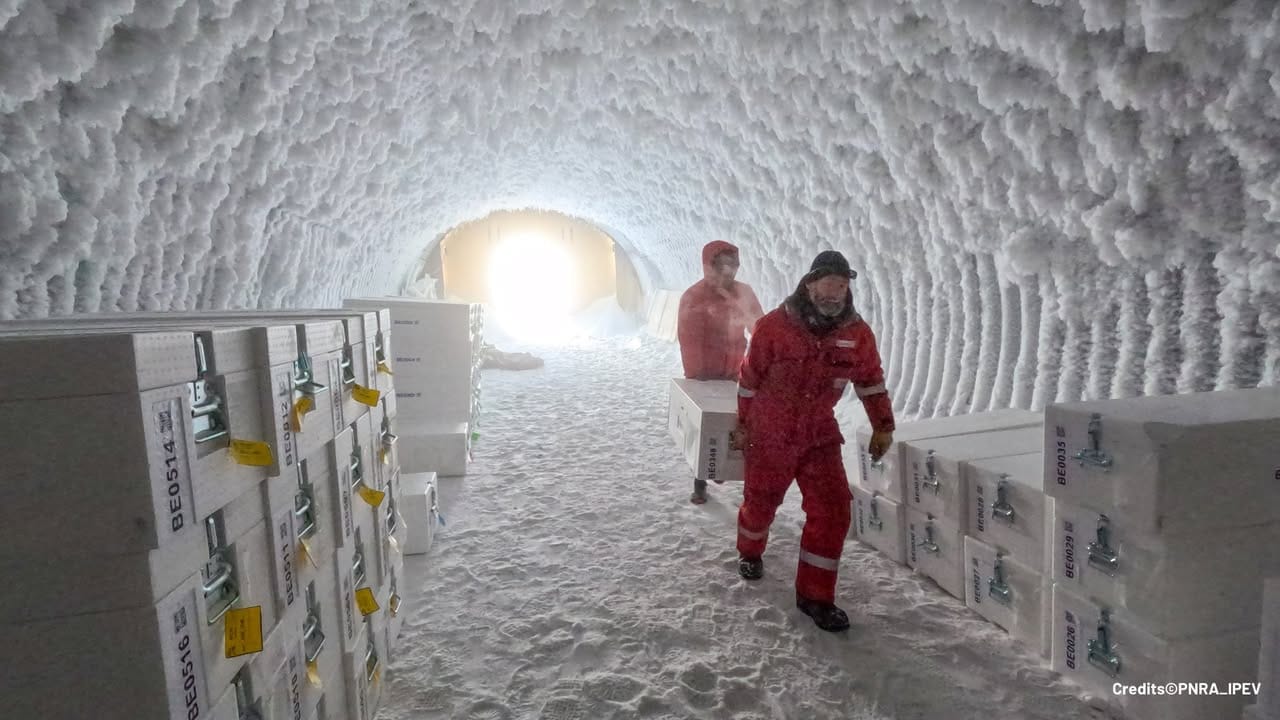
184, 662
1060, 449
337, 394
170, 469
911, 530
982, 509
367, 602
242, 632
1069, 639
344, 494
284, 536
294, 668
283, 411
977, 583
347, 596
1068, 549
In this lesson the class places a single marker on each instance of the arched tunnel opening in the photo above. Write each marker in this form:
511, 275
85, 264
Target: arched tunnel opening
367, 360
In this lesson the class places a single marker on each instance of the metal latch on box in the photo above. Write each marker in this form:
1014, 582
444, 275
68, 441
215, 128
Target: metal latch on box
209, 418
357, 561
1094, 455
246, 707
1101, 654
387, 437
928, 543
390, 514
997, 588
348, 367
1101, 555
304, 503
221, 591
1000, 507
312, 633
931, 480
875, 520
304, 376
370, 655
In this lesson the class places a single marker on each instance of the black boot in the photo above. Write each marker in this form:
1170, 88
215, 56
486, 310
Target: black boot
825, 615
751, 568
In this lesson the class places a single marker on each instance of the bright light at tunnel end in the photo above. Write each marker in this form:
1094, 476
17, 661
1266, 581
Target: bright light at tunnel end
532, 288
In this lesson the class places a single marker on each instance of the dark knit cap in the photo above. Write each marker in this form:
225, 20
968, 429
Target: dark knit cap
829, 262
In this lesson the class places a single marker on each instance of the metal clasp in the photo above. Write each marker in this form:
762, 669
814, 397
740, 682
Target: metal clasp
304, 379
357, 561
246, 706
219, 585
928, 543
370, 654
1101, 555
209, 417
997, 588
932, 479
312, 633
875, 520
1101, 654
379, 355
348, 367
1000, 508
1094, 454
304, 503
387, 437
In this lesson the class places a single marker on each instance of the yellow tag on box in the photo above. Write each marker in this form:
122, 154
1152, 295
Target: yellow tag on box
391, 540
371, 496
305, 554
303, 406
385, 456
383, 367
313, 675
243, 634
365, 600
366, 396
394, 604
248, 452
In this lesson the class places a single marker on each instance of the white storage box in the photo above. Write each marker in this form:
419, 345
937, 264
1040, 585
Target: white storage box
1269, 657
935, 548
880, 523
322, 645
935, 480
700, 416
888, 476
363, 669
443, 449
420, 508
1172, 586
1009, 594
1169, 463
1097, 651
38, 368
343, 459
1008, 507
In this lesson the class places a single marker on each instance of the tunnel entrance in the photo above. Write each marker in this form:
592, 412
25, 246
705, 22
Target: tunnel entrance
535, 272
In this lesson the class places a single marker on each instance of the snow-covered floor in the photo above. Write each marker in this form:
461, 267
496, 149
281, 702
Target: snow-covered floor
575, 580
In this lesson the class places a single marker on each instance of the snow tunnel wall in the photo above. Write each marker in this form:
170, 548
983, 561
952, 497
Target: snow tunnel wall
1047, 200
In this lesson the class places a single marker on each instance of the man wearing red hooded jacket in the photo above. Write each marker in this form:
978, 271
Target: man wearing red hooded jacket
714, 313
802, 357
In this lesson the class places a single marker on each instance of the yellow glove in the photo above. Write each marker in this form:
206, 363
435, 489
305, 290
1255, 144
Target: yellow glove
879, 445
738, 437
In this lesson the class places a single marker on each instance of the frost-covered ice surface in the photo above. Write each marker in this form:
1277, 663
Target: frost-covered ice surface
574, 580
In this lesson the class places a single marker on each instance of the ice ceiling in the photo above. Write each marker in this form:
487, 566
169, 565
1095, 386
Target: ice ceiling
1046, 200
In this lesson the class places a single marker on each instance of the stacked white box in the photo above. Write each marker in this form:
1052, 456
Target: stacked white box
1165, 513
700, 416
880, 523
1008, 593
165, 515
437, 365
420, 507
888, 476
935, 549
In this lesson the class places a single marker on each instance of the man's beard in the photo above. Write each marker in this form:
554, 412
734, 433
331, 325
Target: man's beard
829, 308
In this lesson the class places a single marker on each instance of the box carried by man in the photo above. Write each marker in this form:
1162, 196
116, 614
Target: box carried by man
700, 416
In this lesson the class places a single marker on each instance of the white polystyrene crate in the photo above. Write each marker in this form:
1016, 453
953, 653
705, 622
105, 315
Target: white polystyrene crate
1008, 507
140, 449
142, 662
1173, 586
343, 504
316, 524
1269, 657
443, 449
888, 475
880, 523
38, 368
935, 548
1097, 655
1008, 593
1173, 463
935, 480
700, 416
323, 648
80, 579
419, 507
344, 598
286, 569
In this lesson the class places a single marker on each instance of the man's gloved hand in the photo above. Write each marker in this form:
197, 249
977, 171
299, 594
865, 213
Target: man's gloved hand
738, 437
879, 445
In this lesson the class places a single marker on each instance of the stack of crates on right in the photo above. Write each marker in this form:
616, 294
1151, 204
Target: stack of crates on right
1166, 521
438, 352
1268, 684
880, 488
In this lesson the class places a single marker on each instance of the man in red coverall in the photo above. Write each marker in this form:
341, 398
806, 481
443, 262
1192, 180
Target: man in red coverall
714, 312
802, 357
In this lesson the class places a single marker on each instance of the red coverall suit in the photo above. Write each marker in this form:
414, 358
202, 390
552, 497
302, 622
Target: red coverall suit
712, 320
787, 392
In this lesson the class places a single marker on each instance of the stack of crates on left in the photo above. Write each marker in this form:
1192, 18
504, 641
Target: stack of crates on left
199, 515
